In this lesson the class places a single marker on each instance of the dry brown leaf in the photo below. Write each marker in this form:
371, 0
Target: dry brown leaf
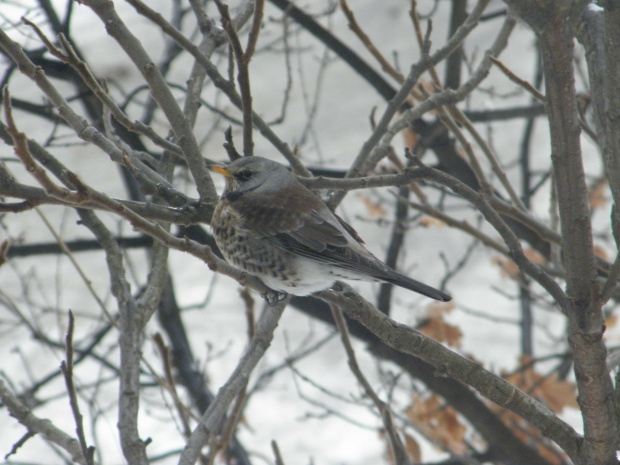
597, 197
427, 85
551, 454
530, 435
410, 137
558, 393
436, 308
555, 393
549, 390
439, 422
534, 256
509, 269
438, 329
463, 154
600, 252
389, 453
413, 449
428, 221
374, 209
611, 321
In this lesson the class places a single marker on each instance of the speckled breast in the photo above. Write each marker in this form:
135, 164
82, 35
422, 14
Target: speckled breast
247, 249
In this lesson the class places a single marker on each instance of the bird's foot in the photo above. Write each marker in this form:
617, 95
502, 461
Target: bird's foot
190, 206
273, 297
344, 289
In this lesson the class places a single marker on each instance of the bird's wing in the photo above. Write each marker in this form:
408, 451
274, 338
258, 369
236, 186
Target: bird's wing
332, 246
291, 212
299, 222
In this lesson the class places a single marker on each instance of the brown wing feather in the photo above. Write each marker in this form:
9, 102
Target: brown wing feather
298, 221
293, 212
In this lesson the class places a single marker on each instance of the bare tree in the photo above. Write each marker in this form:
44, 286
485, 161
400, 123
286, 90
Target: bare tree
476, 182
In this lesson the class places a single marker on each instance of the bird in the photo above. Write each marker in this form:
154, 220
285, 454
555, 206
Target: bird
273, 227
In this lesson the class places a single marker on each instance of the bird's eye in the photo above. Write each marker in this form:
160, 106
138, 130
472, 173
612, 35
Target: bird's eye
243, 175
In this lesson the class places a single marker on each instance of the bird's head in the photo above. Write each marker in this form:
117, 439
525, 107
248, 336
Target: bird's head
257, 174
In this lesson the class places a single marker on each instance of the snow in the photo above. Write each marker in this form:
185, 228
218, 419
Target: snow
290, 410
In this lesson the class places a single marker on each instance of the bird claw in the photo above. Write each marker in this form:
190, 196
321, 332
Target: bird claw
344, 289
273, 297
190, 206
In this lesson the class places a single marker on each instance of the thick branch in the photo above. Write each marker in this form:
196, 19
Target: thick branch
448, 363
598, 31
583, 306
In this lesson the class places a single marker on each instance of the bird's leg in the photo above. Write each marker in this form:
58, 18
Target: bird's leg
273, 297
343, 288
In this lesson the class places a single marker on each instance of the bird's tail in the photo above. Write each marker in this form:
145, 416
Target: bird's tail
416, 286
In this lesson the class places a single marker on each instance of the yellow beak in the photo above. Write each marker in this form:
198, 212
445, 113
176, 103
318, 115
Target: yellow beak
220, 170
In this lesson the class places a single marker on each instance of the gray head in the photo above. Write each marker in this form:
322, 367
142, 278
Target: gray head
250, 173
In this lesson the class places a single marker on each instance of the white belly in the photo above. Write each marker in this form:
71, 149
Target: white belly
310, 276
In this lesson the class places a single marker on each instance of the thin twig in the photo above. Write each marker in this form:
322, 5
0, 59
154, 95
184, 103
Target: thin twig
89, 285
474, 163
89, 79
220, 82
243, 76
41, 425
276, 453
370, 46
161, 92
517, 80
376, 146
81, 127
398, 449
229, 145
491, 156
511, 240
463, 225
67, 370
612, 281
415, 19
257, 22
19, 443
20, 145
233, 419
235, 383
450, 96
182, 410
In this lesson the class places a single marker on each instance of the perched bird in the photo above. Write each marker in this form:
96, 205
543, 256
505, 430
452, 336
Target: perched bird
273, 227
